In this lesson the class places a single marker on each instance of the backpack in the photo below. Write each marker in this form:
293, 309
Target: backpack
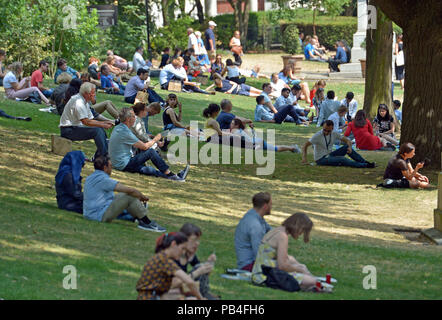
279, 279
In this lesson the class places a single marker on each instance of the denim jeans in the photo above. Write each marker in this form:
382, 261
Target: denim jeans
338, 158
137, 164
153, 97
87, 133
284, 111
48, 92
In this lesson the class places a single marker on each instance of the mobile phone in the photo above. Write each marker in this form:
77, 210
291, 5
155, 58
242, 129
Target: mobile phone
426, 162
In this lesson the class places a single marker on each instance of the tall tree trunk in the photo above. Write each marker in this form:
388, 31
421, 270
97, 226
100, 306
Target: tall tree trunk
421, 111
199, 7
378, 66
165, 12
182, 5
314, 21
241, 13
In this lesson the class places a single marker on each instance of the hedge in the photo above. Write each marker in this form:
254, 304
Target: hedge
264, 30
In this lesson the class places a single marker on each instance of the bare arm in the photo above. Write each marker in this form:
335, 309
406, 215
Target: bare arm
146, 145
95, 123
270, 105
174, 119
193, 287
131, 191
304, 151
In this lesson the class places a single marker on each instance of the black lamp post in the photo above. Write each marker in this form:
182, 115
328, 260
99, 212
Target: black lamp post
148, 31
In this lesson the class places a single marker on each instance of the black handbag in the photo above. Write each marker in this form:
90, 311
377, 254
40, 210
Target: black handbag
279, 279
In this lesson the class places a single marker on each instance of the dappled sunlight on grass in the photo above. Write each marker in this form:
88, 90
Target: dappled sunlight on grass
45, 247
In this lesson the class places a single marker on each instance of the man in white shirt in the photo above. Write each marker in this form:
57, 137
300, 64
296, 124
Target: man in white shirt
351, 104
328, 106
193, 41
277, 85
322, 142
138, 60
338, 119
77, 122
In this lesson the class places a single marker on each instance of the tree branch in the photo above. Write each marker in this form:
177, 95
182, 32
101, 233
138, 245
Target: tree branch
396, 10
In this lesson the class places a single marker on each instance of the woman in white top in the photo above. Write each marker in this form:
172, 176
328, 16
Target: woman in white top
203, 58
22, 89
235, 47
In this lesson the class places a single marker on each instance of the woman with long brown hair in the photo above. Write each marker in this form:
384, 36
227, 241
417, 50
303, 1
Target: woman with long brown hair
273, 251
363, 133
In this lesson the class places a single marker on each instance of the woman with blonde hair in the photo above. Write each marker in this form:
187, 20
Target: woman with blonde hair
22, 90
273, 251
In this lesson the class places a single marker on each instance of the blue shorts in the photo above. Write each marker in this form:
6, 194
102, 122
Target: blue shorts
244, 90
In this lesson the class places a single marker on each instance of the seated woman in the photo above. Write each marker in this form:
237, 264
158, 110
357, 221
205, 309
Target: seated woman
237, 128
232, 72
363, 133
172, 120
68, 182
110, 63
213, 132
93, 68
318, 84
318, 99
22, 90
158, 272
384, 124
231, 87
217, 66
287, 75
400, 173
273, 251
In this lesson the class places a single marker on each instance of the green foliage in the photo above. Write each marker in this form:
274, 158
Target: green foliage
175, 34
265, 27
31, 32
329, 33
290, 42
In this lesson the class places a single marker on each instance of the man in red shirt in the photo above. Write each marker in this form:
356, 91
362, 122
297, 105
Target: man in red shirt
37, 78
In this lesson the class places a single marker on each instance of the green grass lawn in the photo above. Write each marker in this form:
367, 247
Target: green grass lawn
353, 221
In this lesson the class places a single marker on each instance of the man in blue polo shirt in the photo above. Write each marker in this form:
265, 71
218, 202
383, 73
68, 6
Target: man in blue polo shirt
340, 58
311, 54
251, 229
210, 42
225, 117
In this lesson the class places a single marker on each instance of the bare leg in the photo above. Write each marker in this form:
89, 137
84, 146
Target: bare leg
388, 138
284, 148
255, 92
305, 91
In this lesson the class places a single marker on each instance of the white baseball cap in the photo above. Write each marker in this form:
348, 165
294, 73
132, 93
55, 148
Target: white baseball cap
211, 23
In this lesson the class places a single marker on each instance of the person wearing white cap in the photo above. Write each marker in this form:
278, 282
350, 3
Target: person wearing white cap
210, 40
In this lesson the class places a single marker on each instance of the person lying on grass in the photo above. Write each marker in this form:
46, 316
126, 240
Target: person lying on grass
200, 271
250, 230
231, 87
273, 251
399, 172
158, 272
101, 204
237, 127
322, 142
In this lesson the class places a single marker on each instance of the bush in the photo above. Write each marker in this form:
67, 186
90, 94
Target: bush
329, 33
290, 37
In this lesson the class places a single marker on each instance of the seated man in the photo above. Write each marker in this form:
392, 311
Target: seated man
37, 78
341, 57
120, 150
397, 106
62, 66
277, 85
328, 107
139, 83
323, 141
107, 82
102, 205
338, 119
399, 172
311, 54
226, 116
77, 122
295, 96
170, 72
139, 62
250, 231
351, 104
266, 112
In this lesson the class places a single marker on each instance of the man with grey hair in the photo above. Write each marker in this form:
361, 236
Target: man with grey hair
77, 122
225, 117
120, 150
193, 41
